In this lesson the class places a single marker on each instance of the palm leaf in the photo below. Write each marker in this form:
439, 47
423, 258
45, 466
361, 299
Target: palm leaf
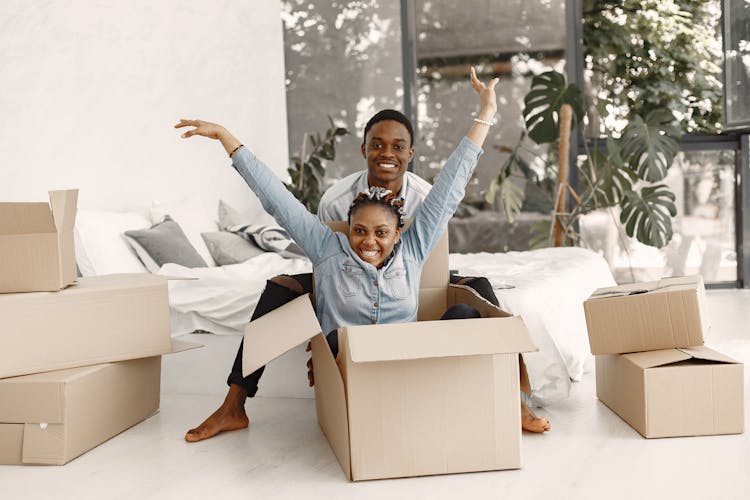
649, 146
542, 104
648, 217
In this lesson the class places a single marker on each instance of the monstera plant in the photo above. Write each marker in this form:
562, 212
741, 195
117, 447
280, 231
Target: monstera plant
618, 171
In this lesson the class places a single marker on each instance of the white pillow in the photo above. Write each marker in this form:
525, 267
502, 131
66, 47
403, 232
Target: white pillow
100, 245
192, 217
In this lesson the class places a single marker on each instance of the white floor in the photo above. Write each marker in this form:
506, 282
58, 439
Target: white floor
590, 453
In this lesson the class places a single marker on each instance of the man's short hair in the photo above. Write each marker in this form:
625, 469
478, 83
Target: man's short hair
390, 114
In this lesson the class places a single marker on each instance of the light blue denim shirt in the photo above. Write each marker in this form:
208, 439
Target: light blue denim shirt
348, 290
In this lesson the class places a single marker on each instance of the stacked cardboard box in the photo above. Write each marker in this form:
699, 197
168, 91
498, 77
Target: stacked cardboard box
652, 368
80, 361
400, 400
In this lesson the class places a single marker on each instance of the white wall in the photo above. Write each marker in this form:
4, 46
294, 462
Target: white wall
90, 89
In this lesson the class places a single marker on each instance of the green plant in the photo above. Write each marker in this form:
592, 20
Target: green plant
308, 169
643, 55
622, 173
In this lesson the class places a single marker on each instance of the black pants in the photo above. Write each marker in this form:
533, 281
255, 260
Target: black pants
276, 295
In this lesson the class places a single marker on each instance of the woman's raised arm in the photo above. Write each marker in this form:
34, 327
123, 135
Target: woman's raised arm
313, 236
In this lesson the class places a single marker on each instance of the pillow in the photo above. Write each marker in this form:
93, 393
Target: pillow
228, 248
231, 217
164, 243
101, 247
192, 217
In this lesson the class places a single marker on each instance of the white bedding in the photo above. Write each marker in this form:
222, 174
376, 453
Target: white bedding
546, 288
549, 287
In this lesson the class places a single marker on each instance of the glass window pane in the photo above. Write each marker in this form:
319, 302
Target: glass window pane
509, 39
704, 228
343, 59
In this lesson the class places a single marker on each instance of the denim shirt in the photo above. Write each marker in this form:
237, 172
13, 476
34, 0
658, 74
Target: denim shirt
348, 290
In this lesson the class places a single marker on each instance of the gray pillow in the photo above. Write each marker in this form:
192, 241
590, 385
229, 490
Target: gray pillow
229, 248
230, 216
164, 243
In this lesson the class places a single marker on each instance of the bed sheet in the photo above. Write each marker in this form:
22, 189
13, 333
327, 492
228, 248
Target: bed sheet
222, 299
546, 288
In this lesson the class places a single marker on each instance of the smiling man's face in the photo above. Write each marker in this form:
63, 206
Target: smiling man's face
388, 151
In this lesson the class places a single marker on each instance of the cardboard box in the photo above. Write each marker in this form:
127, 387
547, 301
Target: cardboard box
97, 320
53, 417
36, 244
430, 397
673, 392
665, 314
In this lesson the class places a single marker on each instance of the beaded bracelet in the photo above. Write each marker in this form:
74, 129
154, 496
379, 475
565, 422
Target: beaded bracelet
484, 122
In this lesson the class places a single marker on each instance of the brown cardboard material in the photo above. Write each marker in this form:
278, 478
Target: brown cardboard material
53, 417
674, 392
430, 397
36, 244
99, 319
665, 314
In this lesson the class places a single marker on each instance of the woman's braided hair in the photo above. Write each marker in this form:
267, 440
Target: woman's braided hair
379, 196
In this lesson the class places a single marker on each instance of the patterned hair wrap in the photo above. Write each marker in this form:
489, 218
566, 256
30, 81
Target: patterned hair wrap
379, 196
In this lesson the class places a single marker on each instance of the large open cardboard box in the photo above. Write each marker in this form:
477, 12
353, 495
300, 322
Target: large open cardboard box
36, 244
665, 314
430, 397
53, 417
673, 392
99, 319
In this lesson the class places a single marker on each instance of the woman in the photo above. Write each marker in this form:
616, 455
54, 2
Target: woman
372, 274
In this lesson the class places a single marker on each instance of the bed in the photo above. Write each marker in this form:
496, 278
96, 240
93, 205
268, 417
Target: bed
546, 287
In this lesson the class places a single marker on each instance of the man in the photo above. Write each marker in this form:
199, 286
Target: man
388, 149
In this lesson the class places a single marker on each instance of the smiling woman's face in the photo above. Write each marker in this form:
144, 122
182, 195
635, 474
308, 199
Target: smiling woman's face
373, 232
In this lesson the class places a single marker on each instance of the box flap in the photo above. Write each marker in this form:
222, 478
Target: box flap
183, 345
273, 334
26, 218
64, 205
650, 359
703, 352
659, 286
330, 401
436, 339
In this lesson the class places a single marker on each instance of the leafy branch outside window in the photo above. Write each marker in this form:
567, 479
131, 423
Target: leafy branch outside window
307, 170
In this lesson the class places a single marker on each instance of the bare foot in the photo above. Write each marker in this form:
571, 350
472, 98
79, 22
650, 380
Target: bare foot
532, 423
229, 417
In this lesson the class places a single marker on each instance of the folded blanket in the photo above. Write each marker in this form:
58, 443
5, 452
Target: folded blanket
269, 238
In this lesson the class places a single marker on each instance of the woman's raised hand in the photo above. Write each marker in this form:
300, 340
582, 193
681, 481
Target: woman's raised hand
210, 130
206, 129
486, 94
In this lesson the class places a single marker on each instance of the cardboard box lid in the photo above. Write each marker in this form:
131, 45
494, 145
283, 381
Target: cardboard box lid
97, 284
653, 359
299, 322
40, 397
437, 339
39, 217
660, 286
